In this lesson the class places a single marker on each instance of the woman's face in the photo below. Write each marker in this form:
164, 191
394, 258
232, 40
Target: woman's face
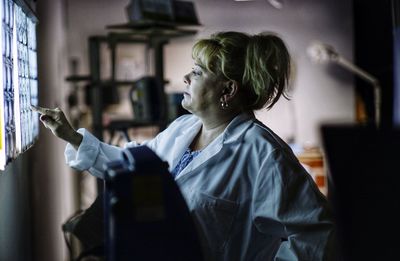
203, 91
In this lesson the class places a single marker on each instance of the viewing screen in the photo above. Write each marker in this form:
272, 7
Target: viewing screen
19, 126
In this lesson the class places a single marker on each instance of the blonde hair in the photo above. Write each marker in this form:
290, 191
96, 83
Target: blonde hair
259, 63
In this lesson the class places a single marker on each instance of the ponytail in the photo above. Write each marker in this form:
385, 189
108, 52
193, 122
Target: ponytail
267, 69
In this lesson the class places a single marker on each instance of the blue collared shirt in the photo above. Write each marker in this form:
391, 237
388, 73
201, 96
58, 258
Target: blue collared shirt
187, 157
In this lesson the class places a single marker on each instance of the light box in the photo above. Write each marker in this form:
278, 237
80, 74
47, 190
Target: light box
19, 126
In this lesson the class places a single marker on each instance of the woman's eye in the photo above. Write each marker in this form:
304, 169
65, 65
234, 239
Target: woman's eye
196, 72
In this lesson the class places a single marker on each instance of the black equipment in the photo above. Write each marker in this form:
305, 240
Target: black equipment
145, 214
147, 98
362, 185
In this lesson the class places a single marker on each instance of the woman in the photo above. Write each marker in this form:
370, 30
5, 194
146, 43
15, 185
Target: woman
249, 196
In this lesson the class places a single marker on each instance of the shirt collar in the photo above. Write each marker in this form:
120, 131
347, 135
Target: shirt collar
232, 133
237, 127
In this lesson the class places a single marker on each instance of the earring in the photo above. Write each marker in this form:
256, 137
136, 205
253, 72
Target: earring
224, 105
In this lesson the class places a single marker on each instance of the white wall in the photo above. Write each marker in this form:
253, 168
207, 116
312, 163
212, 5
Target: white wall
51, 178
320, 93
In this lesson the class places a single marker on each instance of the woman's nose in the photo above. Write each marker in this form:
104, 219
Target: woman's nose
186, 79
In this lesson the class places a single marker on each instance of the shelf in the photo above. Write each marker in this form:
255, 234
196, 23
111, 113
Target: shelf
78, 78
146, 24
154, 29
123, 124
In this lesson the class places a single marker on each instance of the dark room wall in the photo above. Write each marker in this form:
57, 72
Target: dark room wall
51, 182
373, 44
16, 212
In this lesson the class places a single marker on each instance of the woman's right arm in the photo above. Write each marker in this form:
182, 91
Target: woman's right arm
84, 151
91, 154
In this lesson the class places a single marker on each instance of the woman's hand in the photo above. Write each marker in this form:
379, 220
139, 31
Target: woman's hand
55, 120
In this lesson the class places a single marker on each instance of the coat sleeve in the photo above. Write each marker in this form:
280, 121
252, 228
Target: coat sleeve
288, 205
92, 154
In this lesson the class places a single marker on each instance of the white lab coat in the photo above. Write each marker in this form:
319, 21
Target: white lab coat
250, 197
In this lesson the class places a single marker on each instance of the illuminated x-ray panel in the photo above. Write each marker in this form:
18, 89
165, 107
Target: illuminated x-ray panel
19, 127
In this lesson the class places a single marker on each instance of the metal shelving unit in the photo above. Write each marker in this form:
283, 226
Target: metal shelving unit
154, 35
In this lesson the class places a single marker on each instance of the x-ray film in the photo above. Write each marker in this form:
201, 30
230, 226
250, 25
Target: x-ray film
19, 126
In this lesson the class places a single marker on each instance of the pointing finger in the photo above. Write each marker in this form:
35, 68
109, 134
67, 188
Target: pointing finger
44, 111
38, 109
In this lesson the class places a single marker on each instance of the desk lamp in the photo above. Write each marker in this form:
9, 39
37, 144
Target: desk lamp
322, 53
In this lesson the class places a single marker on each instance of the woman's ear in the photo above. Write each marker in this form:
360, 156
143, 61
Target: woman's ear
230, 90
